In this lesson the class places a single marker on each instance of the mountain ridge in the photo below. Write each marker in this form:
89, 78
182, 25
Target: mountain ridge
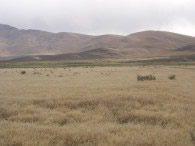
19, 42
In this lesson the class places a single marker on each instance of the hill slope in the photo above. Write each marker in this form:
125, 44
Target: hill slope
17, 42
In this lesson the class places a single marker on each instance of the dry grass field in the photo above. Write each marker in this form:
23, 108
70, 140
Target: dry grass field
97, 106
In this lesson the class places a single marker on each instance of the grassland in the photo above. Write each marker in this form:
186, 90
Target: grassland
102, 106
168, 61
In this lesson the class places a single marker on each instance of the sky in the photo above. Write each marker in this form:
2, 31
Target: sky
99, 17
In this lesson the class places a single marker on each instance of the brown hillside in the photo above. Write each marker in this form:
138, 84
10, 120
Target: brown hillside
17, 42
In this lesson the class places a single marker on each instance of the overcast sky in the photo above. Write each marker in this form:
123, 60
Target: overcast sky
100, 16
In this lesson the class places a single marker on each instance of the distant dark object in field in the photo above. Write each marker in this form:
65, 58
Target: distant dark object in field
172, 77
23, 72
146, 77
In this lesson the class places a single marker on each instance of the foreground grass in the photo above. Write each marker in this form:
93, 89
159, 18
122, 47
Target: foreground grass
97, 106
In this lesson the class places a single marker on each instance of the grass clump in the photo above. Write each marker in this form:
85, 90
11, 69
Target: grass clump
145, 77
23, 72
172, 77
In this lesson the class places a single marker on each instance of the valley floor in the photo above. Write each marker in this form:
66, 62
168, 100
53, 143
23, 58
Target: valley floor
103, 106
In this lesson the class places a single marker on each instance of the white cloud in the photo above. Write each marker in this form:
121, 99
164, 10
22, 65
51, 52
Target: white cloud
100, 16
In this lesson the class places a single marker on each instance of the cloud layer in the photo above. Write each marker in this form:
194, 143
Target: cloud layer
100, 16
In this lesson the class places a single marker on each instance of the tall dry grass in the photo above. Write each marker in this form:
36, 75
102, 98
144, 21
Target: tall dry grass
106, 106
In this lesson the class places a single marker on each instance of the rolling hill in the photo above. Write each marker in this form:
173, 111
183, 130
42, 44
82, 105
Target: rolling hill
41, 45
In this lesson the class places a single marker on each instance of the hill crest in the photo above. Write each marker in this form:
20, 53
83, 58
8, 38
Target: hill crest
20, 42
